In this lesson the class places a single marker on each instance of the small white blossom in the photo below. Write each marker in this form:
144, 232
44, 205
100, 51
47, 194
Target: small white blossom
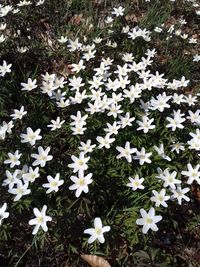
148, 220
40, 220
97, 232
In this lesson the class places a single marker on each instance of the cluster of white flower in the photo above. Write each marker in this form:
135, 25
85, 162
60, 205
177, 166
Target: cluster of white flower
108, 92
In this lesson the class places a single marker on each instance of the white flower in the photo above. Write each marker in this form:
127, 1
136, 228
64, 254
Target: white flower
20, 190
40, 2
56, 124
148, 220
108, 20
78, 67
24, 3
105, 141
126, 121
18, 114
3, 130
74, 45
97, 232
22, 49
193, 174
11, 179
9, 126
81, 183
3, 213
176, 121
196, 58
48, 87
86, 147
40, 220
29, 86
177, 147
142, 156
42, 157
78, 119
76, 83
179, 194
161, 152
13, 159
2, 39
31, 175
169, 178
53, 183
31, 136
136, 183
145, 124
2, 26
80, 163
63, 39
160, 103
159, 198
118, 11
126, 152
5, 68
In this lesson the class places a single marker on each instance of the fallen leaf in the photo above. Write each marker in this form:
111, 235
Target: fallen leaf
95, 261
77, 19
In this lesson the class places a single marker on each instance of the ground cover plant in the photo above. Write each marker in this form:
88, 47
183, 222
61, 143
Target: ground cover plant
99, 134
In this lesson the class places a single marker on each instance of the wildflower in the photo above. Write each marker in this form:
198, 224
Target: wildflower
126, 152
145, 124
78, 67
18, 114
56, 124
169, 178
63, 39
11, 179
81, 183
42, 157
76, 83
160, 198
3, 213
176, 146
80, 163
97, 232
31, 136
40, 220
20, 190
179, 194
31, 175
142, 156
136, 183
53, 183
105, 141
176, 121
118, 11
5, 68
148, 220
24, 3
86, 147
112, 128
193, 173
13, 159
126, 120
30, 85
161, 152
3, 130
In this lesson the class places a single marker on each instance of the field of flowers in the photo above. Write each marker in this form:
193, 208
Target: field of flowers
100, 133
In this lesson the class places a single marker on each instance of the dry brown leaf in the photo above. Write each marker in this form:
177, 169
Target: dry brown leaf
131, 18
62, 68
95, 261
77, 19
